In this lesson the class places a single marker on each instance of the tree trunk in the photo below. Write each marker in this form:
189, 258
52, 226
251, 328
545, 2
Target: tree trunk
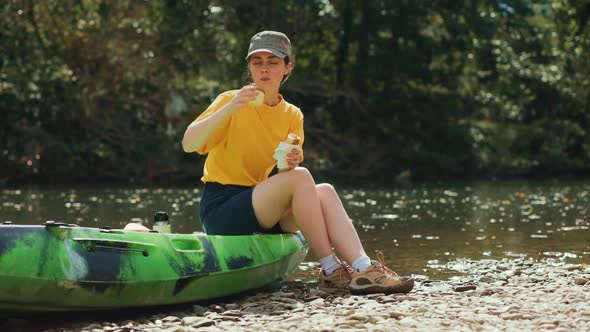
362, 54
342, 57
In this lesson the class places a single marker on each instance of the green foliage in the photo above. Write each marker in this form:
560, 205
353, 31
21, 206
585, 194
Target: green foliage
99, 90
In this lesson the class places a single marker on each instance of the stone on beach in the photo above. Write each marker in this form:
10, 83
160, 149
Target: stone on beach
507, 295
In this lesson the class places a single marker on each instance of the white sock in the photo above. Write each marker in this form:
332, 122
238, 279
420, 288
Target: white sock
329, 264
362, 263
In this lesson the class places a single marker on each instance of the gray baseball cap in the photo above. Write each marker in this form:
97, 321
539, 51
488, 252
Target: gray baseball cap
274, 42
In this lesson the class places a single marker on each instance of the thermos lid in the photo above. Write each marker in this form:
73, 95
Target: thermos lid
161, 216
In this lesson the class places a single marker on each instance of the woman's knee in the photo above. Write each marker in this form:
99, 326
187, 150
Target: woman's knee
302, 176
326, 190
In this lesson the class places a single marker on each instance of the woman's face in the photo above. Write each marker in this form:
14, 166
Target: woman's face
267, 70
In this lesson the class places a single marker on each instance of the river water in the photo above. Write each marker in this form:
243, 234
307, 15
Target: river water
419, 227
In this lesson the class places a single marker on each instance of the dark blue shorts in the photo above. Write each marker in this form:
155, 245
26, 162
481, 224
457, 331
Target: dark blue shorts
228, 210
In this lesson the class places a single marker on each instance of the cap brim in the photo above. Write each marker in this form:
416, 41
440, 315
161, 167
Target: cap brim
269, 50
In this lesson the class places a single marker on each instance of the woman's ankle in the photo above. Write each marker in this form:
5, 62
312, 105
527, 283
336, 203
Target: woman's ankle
329, 264
361, 263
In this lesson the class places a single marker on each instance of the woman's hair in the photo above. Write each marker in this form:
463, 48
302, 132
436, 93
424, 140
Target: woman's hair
248, 76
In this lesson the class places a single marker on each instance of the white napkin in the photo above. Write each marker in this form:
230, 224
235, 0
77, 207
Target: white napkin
281, 153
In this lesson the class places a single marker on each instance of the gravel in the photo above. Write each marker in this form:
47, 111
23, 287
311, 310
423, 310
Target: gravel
489, 295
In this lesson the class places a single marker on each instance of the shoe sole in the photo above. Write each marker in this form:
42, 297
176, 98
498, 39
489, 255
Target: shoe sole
334, 291
405, 287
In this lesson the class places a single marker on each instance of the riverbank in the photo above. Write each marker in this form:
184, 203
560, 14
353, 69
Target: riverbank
490, 295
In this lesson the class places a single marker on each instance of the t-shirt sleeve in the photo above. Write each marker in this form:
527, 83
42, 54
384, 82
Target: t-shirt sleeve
219, 135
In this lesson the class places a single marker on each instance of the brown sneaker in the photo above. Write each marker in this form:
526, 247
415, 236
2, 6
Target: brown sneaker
338, 280
379, 279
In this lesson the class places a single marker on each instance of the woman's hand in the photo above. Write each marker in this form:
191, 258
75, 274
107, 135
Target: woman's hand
246, 94
293, 158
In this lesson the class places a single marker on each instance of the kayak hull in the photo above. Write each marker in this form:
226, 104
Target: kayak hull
63, 268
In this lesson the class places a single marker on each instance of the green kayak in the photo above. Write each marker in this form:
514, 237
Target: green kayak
61, 267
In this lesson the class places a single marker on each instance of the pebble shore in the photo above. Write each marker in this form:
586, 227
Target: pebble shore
489, 295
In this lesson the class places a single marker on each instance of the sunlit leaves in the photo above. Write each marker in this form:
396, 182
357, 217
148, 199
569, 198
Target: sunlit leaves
441, 88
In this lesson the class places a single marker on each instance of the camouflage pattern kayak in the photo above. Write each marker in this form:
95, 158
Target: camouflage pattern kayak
60, 267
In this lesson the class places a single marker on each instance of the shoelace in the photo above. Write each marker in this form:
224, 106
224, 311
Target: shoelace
343, 265
349, 269
381, 264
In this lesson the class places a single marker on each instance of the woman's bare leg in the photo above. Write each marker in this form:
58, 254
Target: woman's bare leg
341, 232
295, 190
343, 235
328, 223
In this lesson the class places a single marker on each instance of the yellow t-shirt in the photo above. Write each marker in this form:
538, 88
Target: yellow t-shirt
241, 149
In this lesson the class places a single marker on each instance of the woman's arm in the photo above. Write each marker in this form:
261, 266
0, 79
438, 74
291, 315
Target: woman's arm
199, 132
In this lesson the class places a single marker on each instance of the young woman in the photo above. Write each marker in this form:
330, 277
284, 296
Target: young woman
239, 197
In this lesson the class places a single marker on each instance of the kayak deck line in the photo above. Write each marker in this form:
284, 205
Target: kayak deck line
93, 244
